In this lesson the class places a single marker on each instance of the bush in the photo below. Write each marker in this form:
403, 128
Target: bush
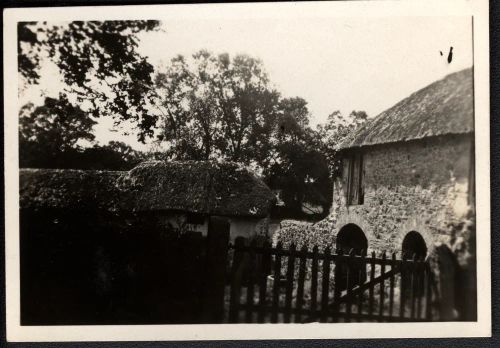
305, 233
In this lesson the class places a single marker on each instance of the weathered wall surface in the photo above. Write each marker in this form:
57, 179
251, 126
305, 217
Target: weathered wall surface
177, 221
421, 185
248, 228
239, 226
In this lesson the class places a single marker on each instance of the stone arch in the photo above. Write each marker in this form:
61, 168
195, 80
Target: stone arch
417, 226
357, 219
351, 236
413, 245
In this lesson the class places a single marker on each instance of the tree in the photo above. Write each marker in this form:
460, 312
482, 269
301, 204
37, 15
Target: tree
216, 107
57, 124
49, 130
336, 130
302, 175
296, 166
116, 155
98, 62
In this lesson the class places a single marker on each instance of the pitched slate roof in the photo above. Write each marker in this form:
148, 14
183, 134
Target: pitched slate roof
206, 187
443, 107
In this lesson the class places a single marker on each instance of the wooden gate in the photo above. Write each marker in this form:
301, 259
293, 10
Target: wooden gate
273, 284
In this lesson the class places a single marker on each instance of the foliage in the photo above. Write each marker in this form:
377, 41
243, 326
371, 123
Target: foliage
51, 135
97, 157
216, 107
98, 62
334, 131
116, 155
201, 107
295, 166
54, 127
113, 156
319, 234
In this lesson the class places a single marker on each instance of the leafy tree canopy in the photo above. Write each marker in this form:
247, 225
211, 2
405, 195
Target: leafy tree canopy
216, 107
57, 125
98, 62
334, 131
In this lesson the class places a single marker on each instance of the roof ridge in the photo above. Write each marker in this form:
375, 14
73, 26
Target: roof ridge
425, 112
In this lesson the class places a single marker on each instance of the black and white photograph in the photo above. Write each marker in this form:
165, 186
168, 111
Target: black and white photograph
247, 165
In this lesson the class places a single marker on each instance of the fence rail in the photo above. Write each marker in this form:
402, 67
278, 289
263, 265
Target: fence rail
273, 284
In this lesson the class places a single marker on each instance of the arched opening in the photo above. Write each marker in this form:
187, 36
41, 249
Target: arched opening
414, 245
350, 238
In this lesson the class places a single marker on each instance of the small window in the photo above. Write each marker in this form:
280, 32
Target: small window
355, 178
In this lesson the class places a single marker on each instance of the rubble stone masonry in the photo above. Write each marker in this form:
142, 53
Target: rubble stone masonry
420, 185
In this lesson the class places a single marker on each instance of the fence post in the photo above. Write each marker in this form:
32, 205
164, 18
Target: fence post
402, 290
215, 276
372, 276
300, 285
289, 283
350, 284
391, 284
361, 280
339, 263
250, 273
276, 285
314, 282
413, 273
428, 292
382, 288
325, 284
263, 281
420, 286
236, 274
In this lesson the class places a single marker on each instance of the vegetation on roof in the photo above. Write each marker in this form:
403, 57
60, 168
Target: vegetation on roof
205, 187
68, 188
443, 107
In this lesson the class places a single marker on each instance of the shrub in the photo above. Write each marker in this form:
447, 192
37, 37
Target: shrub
305, 233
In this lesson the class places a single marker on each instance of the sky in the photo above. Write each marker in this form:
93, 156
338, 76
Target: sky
361, 63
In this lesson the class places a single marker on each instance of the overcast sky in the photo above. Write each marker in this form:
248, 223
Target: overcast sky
335, 64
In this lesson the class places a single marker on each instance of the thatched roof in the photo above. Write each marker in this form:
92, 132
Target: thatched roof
210, 188
443, 107
67, 188
206, 187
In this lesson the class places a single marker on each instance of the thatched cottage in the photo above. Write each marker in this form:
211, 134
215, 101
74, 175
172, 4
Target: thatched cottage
186, 193
101, 247
180, 195
408, 174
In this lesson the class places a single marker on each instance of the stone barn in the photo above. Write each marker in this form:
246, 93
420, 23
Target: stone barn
408, 174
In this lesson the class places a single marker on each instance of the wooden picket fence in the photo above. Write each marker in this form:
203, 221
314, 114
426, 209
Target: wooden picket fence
273, 284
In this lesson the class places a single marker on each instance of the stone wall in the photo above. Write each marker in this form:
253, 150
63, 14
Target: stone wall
419, 185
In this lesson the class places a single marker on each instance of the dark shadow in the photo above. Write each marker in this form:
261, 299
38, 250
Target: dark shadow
414, 245
350, 238
96, 268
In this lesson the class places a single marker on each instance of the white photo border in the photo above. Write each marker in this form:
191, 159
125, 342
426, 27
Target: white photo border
482, 328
